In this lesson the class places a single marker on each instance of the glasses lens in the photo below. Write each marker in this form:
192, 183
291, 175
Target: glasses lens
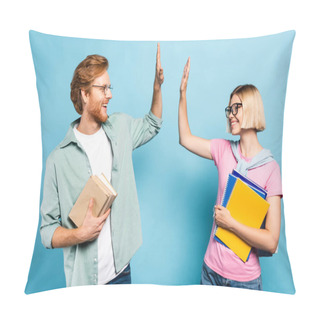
107, 88
234, 109
227, 111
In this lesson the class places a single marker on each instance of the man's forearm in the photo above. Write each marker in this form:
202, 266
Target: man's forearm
156, 107
63, 237
88, 231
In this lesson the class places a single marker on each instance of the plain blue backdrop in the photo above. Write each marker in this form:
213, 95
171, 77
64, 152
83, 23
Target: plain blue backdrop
177, 190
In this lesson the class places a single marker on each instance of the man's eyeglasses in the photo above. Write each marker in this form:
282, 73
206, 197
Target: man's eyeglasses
106, 88
234, 109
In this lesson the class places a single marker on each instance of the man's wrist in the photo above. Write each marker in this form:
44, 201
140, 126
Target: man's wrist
183, 93
79, 235
156, 87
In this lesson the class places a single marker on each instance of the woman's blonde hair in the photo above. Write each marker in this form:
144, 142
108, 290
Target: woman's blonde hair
252, 107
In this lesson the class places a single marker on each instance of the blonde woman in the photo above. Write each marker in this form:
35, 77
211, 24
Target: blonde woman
245, 117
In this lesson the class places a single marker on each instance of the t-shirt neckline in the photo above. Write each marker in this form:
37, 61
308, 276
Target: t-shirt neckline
242, 156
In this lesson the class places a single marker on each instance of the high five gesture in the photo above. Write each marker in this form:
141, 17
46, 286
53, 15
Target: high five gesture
156, 106
195, 144
185, 76
159, 78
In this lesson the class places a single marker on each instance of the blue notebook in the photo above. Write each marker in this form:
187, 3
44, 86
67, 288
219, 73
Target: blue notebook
254, 186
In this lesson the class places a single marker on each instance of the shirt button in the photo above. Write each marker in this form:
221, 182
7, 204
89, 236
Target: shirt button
95, 260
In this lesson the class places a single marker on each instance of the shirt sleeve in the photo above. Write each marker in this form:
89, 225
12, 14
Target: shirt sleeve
274, 184
50, 208
217, 148
144, 129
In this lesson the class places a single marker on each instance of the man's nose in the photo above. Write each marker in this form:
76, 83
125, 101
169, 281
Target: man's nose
108, 94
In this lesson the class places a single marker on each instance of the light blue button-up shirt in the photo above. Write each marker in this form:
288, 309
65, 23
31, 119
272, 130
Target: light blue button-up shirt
67, 171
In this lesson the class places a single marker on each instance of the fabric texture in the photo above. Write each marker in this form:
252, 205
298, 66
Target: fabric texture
176, 189
68, 170
211, 278
218, 257
123, 278
263, 157
98, 149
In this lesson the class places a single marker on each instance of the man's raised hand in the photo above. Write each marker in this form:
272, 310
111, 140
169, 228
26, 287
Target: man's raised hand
159, 78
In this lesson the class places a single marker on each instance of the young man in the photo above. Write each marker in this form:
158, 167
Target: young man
99, 251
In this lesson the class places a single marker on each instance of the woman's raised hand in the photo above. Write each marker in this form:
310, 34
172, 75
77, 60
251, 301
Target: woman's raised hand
185, 76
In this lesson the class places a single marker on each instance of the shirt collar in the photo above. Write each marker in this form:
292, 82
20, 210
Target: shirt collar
108, 129
71, 138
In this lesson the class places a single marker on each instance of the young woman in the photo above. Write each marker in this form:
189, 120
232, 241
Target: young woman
245, 117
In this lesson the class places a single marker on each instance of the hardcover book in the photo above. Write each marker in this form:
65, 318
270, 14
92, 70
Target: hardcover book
98, 188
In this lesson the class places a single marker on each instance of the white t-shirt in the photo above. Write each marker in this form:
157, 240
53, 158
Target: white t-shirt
98, 149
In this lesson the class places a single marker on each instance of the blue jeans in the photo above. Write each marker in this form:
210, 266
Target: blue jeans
209, 277
123, 278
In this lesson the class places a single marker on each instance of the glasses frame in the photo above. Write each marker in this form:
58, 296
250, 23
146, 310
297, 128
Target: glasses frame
233, 108
106, 88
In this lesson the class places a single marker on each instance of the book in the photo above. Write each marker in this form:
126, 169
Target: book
249, 208
250, 183
263, 193
232, 178
100, 189
226, 195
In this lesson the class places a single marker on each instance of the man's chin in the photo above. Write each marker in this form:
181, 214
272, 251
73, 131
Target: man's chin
101, 118
104, 116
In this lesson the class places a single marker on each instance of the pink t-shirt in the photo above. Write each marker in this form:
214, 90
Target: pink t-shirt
218, 257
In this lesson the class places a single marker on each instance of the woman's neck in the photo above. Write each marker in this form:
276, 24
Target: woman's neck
249, 144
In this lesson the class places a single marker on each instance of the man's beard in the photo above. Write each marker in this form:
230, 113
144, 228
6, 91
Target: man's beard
97, 112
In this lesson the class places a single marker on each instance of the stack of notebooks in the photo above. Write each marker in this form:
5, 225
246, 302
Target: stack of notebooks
246, 203
101, 190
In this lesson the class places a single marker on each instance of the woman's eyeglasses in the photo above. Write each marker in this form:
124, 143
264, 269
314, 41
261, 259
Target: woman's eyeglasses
234, 109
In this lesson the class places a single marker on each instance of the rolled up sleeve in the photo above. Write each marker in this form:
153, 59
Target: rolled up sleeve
50, 209
143, 130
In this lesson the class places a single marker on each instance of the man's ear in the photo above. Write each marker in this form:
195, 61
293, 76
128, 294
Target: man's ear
84, 96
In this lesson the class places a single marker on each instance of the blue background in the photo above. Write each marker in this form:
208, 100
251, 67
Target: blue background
176, 189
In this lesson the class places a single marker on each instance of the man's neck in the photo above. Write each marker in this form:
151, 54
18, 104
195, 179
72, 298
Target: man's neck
87, 126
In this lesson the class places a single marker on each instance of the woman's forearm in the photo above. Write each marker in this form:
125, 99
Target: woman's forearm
258, 238
184, 129
197, 145
264, 239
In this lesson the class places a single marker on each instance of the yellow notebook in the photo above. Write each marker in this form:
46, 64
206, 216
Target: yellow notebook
247, 207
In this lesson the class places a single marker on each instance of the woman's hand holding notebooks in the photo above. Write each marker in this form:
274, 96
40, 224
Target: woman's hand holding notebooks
245, 205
